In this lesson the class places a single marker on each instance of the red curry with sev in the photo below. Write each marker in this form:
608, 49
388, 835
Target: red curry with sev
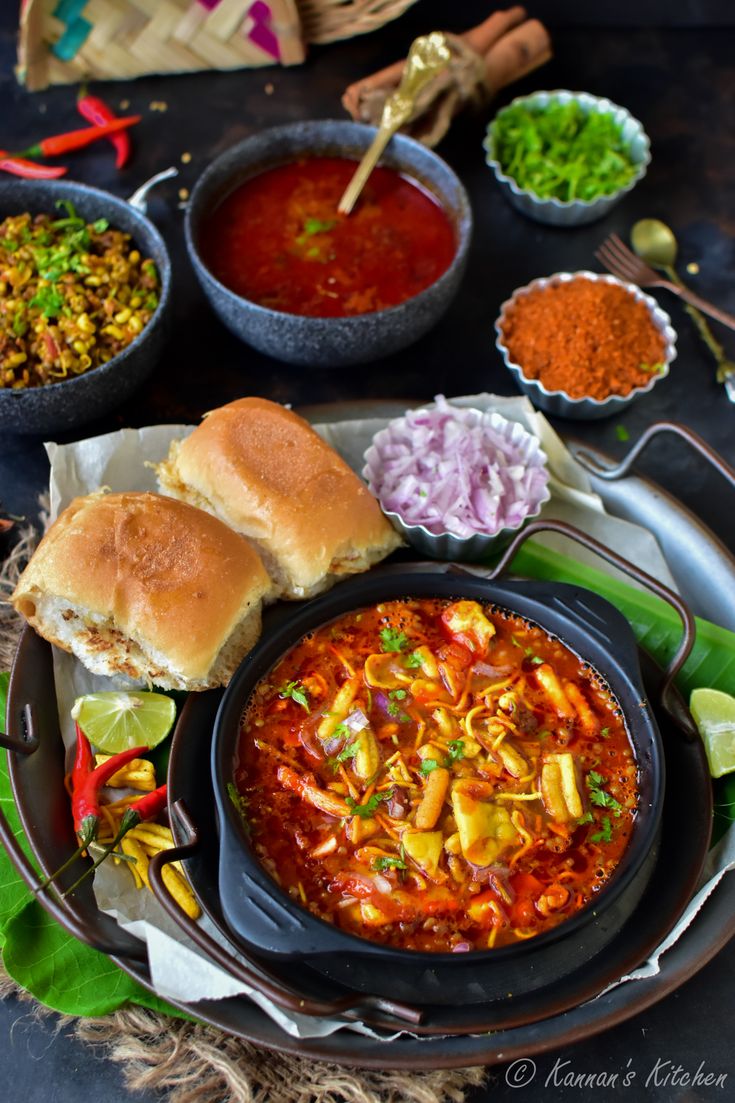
437, 776
587, 338
278, 240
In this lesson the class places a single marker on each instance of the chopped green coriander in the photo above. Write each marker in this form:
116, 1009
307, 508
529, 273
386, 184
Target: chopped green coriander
48, 301
100, 225
385, 862
239, 803
413, 661
605, 732
561, 151
456, 750
428, 765
600, 796
297, 693
393, 640
370, 807
605, 834
622, 433
586, 818
348, 751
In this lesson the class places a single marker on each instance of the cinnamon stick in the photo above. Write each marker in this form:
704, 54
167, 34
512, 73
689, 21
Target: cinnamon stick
503, 48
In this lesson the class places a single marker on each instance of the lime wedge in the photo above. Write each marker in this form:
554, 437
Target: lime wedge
115, 721
714, 715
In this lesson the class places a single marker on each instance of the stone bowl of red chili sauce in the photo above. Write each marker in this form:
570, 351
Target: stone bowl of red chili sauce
584, 345
299, 282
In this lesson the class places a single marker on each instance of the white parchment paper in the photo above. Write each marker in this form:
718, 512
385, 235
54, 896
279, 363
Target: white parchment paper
124, 460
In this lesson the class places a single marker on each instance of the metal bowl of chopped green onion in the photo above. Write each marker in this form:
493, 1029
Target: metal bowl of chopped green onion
566, 158
85, 284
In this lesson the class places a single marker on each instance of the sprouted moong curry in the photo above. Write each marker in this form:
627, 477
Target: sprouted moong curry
436, 775
73, 294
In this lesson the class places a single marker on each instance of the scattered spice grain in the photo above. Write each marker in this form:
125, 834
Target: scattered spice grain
587, 338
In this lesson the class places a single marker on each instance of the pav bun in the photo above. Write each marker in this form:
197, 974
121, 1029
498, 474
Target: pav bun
145, 586
266, 473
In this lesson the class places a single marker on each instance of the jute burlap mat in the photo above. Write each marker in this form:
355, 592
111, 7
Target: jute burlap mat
192, 1063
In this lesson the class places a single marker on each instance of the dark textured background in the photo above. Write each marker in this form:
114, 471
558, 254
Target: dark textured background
681, 84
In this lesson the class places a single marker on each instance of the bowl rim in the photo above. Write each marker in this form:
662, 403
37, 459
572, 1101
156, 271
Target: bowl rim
602, 105
658, 315
646, 823
421, 529
463, 223
77, 187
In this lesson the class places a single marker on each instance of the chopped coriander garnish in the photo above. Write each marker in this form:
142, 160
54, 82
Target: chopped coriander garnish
297, 693
605, 733
370, 807
100, 225
48, 301
622, 433
239, 802
586, 818
413, 661
318, 226
348, 751
600, 796
385, 862
393, 640
604, 835
397, 713
456, 750
561, 151
428, 765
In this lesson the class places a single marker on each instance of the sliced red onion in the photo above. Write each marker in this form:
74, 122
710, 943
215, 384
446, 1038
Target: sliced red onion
455, 470
461, 948
490, 671
382, 884
356, 721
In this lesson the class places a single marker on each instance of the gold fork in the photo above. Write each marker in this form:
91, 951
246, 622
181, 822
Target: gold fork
621, 262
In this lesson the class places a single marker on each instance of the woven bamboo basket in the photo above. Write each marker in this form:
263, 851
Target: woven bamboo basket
66, 41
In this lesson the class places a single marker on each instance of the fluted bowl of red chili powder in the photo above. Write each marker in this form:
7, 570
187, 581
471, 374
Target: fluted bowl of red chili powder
302, 283
584, 345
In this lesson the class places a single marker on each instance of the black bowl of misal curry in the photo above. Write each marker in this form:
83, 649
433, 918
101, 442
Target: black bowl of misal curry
437, 788
84, 303
295, 279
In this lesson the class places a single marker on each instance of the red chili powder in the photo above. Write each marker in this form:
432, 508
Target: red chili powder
587, 338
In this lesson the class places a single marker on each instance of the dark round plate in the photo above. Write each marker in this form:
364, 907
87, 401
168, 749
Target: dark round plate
518, 1026
713, 927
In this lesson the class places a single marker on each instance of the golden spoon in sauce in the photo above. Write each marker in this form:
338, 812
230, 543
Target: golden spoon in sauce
428, 55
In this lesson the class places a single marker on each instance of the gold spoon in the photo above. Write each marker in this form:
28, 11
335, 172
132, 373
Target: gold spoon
428, 55
655, 243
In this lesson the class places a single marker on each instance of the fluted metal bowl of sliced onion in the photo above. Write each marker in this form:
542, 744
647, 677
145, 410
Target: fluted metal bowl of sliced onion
457, 482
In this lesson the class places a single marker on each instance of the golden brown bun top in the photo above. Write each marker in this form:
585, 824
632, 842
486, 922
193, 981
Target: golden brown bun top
280, 482
170, 576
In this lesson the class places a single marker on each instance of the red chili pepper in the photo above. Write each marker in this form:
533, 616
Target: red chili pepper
95, 110
87, 781
146, 808
85, 803
30, 170
76, 139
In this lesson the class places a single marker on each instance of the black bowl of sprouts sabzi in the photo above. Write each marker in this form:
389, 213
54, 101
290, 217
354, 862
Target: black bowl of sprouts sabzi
84, 301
